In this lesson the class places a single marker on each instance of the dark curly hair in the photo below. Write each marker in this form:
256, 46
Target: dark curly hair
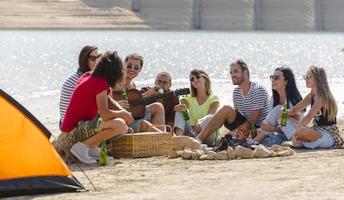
83, 58
109, 67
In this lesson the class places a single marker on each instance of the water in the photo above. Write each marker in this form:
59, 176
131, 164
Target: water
35, 63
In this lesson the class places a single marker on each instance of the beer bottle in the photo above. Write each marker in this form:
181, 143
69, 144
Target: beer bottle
253, 130
284, 115
125, 96
185, 113
103, 154
217, 137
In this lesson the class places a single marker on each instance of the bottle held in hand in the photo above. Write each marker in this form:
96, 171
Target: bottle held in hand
185, 113
125, 97
284, 115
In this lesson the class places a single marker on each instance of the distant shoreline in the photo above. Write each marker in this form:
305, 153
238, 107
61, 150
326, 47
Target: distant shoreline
221, 15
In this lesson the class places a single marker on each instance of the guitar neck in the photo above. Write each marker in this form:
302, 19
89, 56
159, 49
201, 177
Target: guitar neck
149, 100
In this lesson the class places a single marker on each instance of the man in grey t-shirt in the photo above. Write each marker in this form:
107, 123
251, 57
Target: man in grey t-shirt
251, 101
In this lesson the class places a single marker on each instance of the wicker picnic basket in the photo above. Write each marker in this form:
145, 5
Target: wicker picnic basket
140, 145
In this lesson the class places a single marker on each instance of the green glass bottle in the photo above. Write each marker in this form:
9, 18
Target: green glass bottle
217, 137
125, 96
103, 154
186, 116
185, 113
253, 130
284, 115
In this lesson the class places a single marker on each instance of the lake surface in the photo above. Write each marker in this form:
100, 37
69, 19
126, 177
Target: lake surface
35, 63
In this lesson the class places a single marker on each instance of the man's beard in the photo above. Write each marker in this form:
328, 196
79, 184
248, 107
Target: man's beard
237, 81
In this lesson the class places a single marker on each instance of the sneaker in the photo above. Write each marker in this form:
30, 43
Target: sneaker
80, 151
93, 152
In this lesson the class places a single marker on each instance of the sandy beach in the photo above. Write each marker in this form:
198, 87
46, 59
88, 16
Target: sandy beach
309, 174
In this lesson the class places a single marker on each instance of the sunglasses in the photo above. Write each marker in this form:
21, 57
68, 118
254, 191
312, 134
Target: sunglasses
307, 76
160, 82
275, 77
130, 66
192, 78
93, 58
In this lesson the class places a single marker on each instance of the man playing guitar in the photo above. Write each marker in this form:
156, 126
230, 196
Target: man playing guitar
154, 112
163, 83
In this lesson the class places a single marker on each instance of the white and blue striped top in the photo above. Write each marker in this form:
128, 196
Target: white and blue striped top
67, 90
256, 99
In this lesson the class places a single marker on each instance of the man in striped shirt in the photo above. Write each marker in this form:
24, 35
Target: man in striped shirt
251, 103
250, 98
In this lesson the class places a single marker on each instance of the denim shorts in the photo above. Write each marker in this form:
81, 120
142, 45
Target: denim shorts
136, 124
325, 142
273, 138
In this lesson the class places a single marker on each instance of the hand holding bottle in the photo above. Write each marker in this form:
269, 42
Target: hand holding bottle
284, 115
184, 107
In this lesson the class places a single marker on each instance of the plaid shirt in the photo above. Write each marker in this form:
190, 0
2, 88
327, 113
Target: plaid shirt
168, 103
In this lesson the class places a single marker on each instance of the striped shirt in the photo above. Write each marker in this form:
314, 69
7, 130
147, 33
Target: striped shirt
256, 99
66, 92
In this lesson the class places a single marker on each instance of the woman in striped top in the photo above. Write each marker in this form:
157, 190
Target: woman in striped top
87, 59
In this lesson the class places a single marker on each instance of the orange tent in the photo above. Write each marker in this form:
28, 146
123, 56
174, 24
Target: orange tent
29, 163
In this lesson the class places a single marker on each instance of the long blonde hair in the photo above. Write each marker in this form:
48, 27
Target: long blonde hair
324, 92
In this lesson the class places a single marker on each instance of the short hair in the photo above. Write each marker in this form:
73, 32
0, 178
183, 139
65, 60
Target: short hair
109, 67
164, 74
135, 56
242, 65
84, 55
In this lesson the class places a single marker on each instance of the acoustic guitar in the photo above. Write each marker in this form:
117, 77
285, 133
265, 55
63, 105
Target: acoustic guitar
137, 104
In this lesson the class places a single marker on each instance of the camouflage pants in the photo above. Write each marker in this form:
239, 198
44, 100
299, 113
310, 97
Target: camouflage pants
83, 131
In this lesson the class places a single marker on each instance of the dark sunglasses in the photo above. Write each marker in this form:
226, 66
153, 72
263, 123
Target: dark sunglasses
130, 66
160, 82
307, 76
275, 77
93, 58
192, 78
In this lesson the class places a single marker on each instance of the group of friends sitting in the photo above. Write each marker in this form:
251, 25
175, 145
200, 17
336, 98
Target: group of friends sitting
89, 112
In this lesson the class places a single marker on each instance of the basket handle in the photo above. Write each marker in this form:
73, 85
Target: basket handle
166, 127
